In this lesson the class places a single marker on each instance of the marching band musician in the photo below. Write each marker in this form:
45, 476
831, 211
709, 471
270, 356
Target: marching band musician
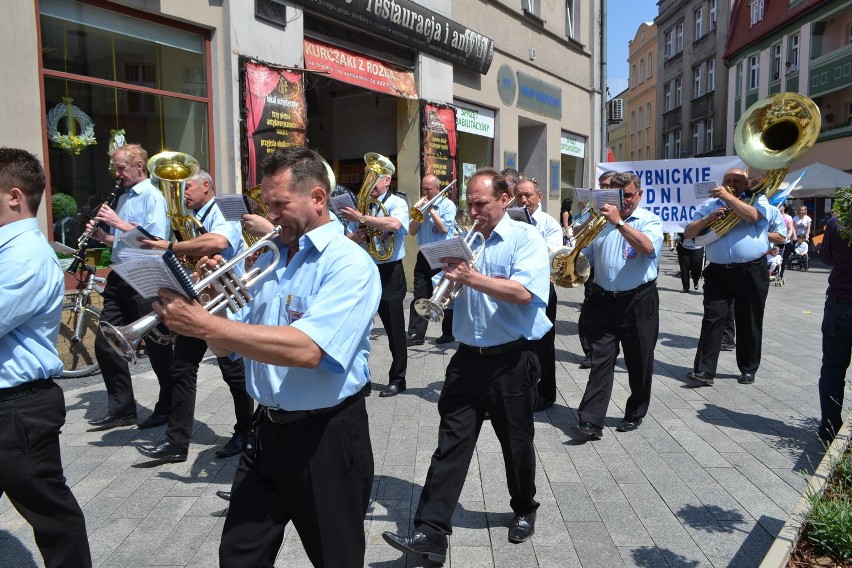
142, 205
500, 312
438, 225
32, 406
622, 307
305, 337
219, 237
529, 195
394, 286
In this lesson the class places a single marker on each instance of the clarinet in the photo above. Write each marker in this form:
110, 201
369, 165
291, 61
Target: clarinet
83, 244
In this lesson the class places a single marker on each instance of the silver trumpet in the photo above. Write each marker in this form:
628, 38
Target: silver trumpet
446, 291
418, 212
232, 292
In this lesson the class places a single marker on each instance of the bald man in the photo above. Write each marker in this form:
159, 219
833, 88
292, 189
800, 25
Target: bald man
736, 271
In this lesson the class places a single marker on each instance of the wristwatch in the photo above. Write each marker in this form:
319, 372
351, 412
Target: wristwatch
620, 223
362, 219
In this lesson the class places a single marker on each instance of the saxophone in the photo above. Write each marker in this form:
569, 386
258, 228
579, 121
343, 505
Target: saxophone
379, 243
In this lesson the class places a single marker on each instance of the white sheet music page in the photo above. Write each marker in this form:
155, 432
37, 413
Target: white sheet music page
702, 189
147, 274
451, 248
131, 238
232, 206
340, 201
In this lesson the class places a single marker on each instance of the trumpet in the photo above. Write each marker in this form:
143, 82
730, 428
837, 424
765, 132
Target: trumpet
86, 238
447, 291
233, 293
418, 212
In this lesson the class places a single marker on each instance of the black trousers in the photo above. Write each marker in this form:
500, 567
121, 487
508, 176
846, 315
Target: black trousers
392, 315
836, 354
189, 351
504, 386
31, 476
122, 305
690, 262
633, 321
318, 473
546, 349
729, 331
785, 256
747, 285
423, 288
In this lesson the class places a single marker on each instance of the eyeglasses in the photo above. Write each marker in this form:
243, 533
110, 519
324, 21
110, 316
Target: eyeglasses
628, 195
605, 186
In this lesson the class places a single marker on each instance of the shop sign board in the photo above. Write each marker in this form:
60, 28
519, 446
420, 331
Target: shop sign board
538, 96
439, 142
412, 25
477, 121
274, 114
506, 84
571, 145
361, 70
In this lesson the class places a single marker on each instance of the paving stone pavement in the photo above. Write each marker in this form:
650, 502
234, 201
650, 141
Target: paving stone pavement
707, 480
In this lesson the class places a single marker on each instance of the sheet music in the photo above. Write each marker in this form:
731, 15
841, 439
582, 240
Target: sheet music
608, 197
582, 195
147, 274
340, 201
232, 206
131, 238
702, 188
451, 248
521, 214
61, 248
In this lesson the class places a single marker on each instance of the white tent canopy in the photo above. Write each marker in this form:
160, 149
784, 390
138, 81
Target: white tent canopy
819, 181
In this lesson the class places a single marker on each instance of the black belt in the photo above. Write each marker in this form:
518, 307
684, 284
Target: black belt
598, 291
279, 416
25, 389
495, 350
838, 300
741, 264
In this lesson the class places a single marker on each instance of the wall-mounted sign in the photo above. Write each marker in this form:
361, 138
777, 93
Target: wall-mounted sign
439, 141
538, 96
477, 121
572, 145
360, 70
412, 25
510, 159
506, 84
555, 179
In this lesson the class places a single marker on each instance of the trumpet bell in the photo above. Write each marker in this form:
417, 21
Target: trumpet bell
125, 339
429, 310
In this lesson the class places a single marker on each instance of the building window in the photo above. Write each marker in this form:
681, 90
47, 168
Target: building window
711, 75
699, 21
532, 7
667, 146
648, 152
739, 79
696, 81
669, 45
639, 125
678, 91
753, 71
676, 145
648, 116
570, 19
641, 70
667, 97
775, 51
640, 153
696, 139
794, 53
632, 121
756, 11
632, 75
679, 33
708, 135
713, 14
650, 64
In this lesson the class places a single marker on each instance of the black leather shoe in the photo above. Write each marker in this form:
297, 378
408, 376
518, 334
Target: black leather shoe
417, 543
153, 421
226, 495
234, 446
542, 403
728, 347
393, 389
628, 425
166, 452
444, 339
522, 528
588, 430
113, 421
413, 340
746, 378
586, 363
701, 377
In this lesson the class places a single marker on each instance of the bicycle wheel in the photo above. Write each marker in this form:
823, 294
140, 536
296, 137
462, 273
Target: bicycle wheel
78, 357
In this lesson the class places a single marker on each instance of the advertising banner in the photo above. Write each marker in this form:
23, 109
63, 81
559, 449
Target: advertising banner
273, 111
669, 186
439, 143
360, 70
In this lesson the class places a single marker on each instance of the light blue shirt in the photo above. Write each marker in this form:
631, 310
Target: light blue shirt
618, 266
143, 205
215, 222
745, 242
513, 251
31, 294
330, 290
428, 231
548, 227
776, 222
395, 207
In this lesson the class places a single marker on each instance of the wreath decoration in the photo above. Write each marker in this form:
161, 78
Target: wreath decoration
72, 142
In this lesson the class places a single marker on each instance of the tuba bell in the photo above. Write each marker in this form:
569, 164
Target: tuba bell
771, 135
172, 169
379, 243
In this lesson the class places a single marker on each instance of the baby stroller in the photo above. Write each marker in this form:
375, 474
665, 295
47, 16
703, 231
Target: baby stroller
775, 274
798, 262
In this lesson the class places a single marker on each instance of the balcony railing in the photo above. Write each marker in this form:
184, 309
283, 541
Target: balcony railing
830, 72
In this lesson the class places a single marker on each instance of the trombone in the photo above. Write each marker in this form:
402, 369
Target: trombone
418, 212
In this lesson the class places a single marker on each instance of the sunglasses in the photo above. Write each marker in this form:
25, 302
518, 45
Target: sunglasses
627, 195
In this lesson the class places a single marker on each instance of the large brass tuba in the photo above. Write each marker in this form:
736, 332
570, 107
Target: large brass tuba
172, 169
771, 135
379, 243
569, 267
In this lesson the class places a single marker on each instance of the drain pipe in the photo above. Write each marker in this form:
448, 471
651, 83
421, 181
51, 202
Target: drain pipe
604, 140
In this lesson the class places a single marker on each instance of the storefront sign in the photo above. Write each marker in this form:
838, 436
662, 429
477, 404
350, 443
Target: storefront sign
538, 96
360, 70
477, 121
274, 114
506, 84
572, 145
510, 159
414, 26
438, 140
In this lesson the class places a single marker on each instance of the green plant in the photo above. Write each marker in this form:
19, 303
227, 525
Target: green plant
63, 206
106, 257
843, 207
829, 523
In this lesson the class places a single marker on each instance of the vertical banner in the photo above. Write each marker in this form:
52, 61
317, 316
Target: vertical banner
439, 143
273, 113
